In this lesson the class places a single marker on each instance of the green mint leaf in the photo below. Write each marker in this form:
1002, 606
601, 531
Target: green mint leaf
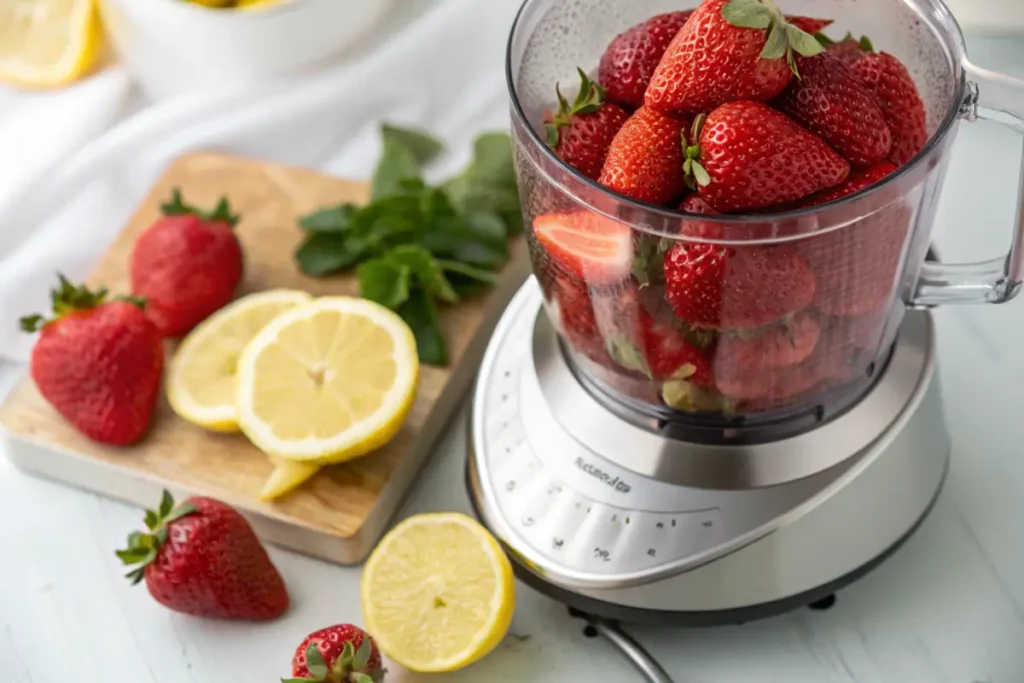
420, 314
425, 269
513, 222
315, 663
384, 282
330, 219
423, 147
747, 14
700, 174
488, 227
493, 159
480, 255
325, 253
396, 164
801, 41
470, 272
776, 46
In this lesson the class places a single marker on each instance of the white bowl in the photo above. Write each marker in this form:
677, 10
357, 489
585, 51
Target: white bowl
175, 46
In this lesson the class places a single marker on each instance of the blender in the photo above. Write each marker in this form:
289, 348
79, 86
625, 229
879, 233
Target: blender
638, 485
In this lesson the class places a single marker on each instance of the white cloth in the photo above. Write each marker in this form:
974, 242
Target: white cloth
442, 71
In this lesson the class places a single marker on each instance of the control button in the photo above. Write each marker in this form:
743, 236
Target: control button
561, 527
596, 547
534, 503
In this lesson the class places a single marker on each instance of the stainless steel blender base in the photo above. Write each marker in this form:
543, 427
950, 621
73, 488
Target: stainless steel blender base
634, 546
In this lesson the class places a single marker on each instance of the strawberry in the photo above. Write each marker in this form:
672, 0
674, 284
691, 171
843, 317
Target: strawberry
830, 102
782, 345
694, 203
849, 49
859, 180
574, 314
809, 25
857, 265
729, 50
631, 58
98, 363
202, 558
586, 245
753, 157
186, 265
581, 133
670, 354
645, 160
894, 89
337, 654
736, 288
772, 390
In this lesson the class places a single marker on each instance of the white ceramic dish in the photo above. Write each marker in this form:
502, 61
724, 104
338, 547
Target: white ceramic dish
174, 46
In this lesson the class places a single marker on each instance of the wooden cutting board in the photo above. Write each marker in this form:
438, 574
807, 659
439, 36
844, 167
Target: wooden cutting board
340, 513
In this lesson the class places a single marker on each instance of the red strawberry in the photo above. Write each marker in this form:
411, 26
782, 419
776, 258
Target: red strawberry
581, 133
574, 311
771, 390
858, 180
98, 363
586, 245
187, 265
830, 102
753, 157
862, 332
202, 558
736, 288
723, 54
779, 346
630, 60
645, 160
694, 203
849, 49
809, 25
337, 654
896, 93
670, 354
857, 265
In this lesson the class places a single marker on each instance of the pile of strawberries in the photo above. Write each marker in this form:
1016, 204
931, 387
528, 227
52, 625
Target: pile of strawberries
731, 108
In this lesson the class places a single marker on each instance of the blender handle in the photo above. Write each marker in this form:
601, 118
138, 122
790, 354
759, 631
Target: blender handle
999, 98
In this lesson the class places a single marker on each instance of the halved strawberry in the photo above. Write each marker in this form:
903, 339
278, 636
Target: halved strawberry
779, 346
590, 247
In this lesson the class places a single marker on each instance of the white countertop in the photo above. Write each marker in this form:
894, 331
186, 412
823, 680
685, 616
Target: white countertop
947, 608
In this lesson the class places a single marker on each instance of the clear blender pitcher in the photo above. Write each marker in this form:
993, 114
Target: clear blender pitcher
868, 254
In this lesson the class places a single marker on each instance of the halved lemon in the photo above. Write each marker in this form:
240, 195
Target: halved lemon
201, 380
47, 43
328, 381
438, 593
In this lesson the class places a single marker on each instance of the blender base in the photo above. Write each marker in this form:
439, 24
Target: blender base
643, 548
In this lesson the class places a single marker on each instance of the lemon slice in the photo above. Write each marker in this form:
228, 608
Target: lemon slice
438, 593
201, 382
46, 43
287, 476
328, 381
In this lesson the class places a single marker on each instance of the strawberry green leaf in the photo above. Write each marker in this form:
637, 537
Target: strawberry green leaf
627, 355
181, 511
359, 677
551, 135
31, 323
701, 175
776, 46
362, 655
221, 213
866, 44
423, 147
315, 663
166, 505
152, 520
747, 14
802, 42
64, 299
297, 680
824, 39
385, 282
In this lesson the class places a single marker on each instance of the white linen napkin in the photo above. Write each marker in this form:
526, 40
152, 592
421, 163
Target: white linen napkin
443, 72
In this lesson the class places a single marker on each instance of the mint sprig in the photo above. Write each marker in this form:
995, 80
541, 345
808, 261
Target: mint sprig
416, 246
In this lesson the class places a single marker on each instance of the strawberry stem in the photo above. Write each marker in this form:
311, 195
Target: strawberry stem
694, 173
348, 667
220, 214
784, 40
69, 298
143, 547
589, 99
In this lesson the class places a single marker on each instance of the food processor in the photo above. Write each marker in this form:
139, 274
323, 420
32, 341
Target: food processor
638, 485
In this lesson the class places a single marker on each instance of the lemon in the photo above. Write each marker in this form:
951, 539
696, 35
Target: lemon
287, 476
438, 593
258, 4
328, 381
46, 43
201, 376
